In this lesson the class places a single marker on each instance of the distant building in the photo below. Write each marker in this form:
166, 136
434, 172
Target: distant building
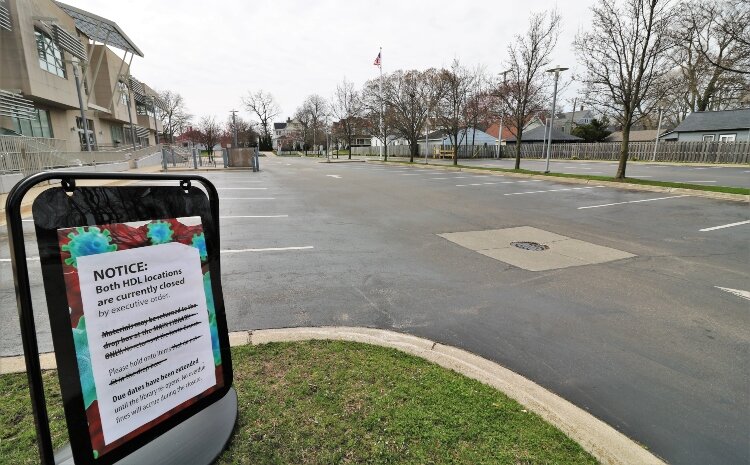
643, 135
287, 134
537, 135
717, 126
39, 41
565, 122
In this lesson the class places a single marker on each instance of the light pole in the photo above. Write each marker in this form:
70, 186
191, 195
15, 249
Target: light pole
234, 128
557, 71
84, 121
658, 131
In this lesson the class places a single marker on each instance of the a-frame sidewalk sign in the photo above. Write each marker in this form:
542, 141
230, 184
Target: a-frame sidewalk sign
132, 280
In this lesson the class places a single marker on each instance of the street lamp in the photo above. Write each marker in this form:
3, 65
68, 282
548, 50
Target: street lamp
557, 70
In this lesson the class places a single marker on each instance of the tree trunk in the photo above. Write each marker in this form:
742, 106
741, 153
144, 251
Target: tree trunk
385, 151
349, 141
413, 149
623, 152
518, 148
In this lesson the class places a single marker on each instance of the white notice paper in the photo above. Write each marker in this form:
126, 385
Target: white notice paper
148, 332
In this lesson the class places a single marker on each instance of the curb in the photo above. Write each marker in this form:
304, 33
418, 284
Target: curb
565, 180
605, 443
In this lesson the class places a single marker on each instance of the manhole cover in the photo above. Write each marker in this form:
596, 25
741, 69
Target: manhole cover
533, 246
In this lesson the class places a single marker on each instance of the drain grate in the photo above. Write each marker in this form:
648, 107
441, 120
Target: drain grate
532, 246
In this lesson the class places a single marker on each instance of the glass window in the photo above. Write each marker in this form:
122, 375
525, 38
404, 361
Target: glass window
123, 90
117, 135
708, 137
38, 127
727, 137
50, 55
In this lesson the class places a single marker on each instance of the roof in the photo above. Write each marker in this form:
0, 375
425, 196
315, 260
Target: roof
495, 127
537, 135
100, 29
715, 120
279, 125
580, 114
644, 135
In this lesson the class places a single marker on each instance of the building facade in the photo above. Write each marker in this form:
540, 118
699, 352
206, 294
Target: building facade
43, 46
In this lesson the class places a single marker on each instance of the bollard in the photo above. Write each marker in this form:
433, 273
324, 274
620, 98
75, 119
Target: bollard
195, 159
225, 156
164, 158
256, 165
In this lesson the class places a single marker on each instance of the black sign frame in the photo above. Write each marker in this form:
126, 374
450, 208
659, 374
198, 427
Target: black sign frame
196, 203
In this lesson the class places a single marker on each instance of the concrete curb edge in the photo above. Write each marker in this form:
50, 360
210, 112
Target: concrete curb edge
605, 443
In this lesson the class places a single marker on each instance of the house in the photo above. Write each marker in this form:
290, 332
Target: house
362, 136
718, 126
287, 134
642, 135
533, 121
565, 122
537, 135
40, 40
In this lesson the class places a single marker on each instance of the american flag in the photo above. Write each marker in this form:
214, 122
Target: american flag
377, 60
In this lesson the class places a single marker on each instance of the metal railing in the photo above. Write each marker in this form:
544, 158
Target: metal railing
29, 155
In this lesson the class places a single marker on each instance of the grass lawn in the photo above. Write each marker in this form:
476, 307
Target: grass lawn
645, 182
324, 402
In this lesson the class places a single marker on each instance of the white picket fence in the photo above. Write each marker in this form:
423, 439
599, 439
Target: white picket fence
686, 152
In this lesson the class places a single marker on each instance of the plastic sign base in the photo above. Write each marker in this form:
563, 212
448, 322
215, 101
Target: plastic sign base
198, 440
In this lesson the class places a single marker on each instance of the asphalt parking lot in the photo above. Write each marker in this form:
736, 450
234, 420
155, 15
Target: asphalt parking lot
656, 344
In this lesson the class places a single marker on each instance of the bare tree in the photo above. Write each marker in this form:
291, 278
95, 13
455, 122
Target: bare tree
720, 32
264, 107
317, 108
412, 96
210, 133
625, 59
710, 55
375, 107
522, 89
348, 109
456, 85
246, 133
303, 117
173, 115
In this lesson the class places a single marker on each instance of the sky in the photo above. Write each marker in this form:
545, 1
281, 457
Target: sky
215, 52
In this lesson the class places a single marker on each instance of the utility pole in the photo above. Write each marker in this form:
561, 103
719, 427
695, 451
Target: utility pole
500, 130
382, 106
234, 127
658, 131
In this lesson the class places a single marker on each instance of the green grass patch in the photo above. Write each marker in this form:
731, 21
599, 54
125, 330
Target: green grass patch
324, 402
645, 182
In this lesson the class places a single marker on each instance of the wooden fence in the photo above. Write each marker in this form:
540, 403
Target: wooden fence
686, 152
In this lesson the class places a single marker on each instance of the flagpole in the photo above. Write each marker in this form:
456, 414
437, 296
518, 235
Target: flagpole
381, 102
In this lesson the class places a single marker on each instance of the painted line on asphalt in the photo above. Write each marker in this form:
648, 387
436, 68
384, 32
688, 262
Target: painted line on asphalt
335, 176
247, 198
632, 201
28, 259
242, 188
723, 226
552, 190
253, 216
267, 249
738, 292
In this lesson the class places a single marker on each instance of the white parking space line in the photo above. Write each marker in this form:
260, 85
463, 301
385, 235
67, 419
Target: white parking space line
552, 190
730, 225
267, 249
633, 201
242, 188
738, 292
253, 216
